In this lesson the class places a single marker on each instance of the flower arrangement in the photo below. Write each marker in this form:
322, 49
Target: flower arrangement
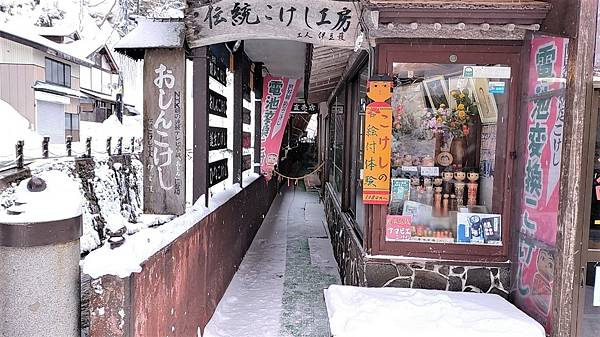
457, 121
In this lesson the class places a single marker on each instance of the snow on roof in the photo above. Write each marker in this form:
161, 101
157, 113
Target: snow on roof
152, 34
98, 95
62, 30
57, 89
15, 32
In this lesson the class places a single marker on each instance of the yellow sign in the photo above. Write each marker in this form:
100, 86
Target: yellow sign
377, 143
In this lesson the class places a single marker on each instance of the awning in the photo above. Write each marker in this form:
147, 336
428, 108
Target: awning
57, 89
98, 95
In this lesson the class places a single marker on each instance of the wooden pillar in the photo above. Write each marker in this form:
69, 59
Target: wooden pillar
347, 153
238, 105
574, 185
200, 149
258, 93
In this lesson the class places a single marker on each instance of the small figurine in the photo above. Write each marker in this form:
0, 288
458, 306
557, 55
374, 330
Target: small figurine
447, 181
417, 161
428, 185
472, 188
459, 188
445, 204
415, 184
437, 201
407, 160
427, 161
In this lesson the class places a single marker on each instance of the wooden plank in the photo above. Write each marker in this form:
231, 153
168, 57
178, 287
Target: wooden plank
321, 22
238, 106
164, 131
258, 93
200, 148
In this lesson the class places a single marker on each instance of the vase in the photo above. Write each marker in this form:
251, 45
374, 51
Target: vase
458, 148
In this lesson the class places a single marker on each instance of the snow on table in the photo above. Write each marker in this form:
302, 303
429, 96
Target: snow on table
359, 312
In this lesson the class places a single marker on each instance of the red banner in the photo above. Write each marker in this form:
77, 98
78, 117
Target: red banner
539, 206
279, 94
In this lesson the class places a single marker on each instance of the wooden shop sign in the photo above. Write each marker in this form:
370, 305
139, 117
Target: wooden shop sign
217, 138
310, 108
320, 22
164, 131
217, 69
246, 116
217, 104
217, 172
246, 140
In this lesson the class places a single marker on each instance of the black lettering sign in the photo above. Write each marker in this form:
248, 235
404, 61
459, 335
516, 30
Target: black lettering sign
305, 108
246, 116
217, 138
246, 162
217, 172
246, 140
217, 70
217, 104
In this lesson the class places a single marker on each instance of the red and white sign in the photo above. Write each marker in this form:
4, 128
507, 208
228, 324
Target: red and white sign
279, 94
398, 227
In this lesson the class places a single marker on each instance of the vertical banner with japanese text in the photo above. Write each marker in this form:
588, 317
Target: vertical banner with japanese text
164, 131
542, 163
377, 143
279, 94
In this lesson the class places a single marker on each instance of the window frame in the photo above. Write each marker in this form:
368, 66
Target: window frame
53, 72
477, 53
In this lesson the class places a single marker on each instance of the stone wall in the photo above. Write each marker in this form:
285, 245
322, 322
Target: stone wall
357, 268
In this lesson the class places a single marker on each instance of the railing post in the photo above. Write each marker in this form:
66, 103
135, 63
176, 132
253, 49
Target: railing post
120, 146
69, 143
132, 144
88, 147
45, 146
108, 150
19, 150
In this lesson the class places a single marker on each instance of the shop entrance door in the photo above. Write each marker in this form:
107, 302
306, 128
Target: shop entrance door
588, 294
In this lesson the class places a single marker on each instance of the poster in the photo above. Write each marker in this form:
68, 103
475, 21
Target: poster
479, 228
164, 131
398, 228
378, 143
278, 98
541, 173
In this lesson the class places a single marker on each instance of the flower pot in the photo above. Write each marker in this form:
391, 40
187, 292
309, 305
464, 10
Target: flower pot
458, 149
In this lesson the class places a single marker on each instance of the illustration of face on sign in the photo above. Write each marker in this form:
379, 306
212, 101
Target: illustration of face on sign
379, 88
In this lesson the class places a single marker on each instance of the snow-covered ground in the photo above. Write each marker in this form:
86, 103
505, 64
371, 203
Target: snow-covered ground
359, 312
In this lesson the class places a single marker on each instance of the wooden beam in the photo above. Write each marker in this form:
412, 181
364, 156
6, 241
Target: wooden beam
258, 93
238, 106
200, 137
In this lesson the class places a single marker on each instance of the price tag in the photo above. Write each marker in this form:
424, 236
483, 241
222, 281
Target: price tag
430, 171
597, 288
410, 169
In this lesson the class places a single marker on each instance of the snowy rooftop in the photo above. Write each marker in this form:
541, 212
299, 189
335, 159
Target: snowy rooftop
62, 30
57, 89
29, 34
152, 34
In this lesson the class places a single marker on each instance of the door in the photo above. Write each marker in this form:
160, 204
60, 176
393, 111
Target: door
588, 303
50, 121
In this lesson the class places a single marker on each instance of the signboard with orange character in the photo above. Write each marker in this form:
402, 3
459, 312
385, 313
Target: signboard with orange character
377, 142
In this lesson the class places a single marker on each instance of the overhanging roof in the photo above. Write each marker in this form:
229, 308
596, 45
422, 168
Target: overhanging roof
152, 33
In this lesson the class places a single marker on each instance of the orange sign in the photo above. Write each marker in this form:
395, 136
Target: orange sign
377, 143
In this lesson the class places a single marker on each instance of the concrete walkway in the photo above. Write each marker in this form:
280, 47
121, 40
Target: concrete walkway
278, 289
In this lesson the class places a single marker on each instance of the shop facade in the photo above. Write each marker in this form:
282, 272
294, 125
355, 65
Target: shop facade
483, 140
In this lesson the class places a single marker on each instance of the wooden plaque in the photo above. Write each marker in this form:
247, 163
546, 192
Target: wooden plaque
164, 131
217, 138
217, 104
217, 172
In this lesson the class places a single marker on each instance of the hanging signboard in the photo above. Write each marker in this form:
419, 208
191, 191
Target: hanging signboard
217, 172
279, 95
246, 140
164, 131
217, 138
216, 69
217, 104
377, 142
246, 116
310, 108
320, 22
541, 175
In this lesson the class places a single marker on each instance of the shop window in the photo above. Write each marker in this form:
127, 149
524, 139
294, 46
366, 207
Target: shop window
72, 126
58, 73
359, 105
336, 153
444, 153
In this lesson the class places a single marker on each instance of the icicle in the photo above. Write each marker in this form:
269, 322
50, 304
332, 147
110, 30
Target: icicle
288, 181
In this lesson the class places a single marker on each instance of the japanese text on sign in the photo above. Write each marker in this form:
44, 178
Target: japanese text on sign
318, 21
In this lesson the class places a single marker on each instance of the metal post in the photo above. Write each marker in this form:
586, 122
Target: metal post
88, 147
120, 146
108, 140
132, 144
69, 143
19, 148
45, 146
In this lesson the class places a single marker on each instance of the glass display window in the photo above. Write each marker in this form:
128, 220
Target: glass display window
449, 131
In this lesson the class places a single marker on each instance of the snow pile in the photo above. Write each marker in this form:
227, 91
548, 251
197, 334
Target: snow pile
14, 127
128, 258
111, 127
359, 312
60, 199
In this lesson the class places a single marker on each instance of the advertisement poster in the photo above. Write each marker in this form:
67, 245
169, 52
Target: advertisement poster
279, 96
378, 143
479, 228
398, 228
542, 160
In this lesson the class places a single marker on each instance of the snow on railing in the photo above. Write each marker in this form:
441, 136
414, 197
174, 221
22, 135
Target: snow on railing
69, 149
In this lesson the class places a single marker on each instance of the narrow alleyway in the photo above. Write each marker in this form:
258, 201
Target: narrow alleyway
278, 289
